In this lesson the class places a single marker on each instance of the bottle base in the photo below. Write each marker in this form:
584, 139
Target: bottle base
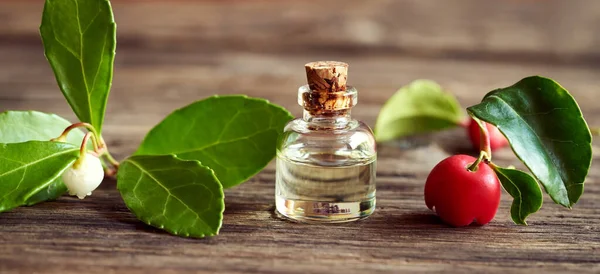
324, 212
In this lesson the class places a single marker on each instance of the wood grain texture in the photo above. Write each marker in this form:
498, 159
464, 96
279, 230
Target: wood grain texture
170, 55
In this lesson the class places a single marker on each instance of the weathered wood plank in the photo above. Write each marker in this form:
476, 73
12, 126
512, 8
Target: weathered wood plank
403, 235
549, 31
142, 94
198, 50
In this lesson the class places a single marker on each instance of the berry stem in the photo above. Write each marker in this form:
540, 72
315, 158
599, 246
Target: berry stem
482, 157
484, 143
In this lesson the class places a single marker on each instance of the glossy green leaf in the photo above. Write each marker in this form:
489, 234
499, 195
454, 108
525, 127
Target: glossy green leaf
23, 126
79, 39
526, 193
28, 170
235, 135
420, 107
182, 197
544, 126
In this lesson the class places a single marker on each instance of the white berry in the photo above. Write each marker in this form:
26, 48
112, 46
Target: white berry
84, 176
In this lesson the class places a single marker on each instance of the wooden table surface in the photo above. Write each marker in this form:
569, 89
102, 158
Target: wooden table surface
173, 53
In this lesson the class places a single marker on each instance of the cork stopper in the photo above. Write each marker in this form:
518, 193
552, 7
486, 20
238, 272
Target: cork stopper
327, 75
327, 91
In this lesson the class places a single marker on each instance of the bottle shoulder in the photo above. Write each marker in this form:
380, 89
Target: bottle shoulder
301, 126
351, 144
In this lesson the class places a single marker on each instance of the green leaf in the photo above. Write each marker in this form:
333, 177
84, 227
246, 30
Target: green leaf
526, 193
50, 192
420, 107
23, 126
79, 39
182, 197
28, 170
544, 126
236, 135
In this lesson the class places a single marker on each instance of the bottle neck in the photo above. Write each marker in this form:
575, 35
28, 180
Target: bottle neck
334, 119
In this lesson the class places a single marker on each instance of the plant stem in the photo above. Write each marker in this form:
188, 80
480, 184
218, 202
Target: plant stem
484, 139
482, 157
110, 159
100, 148
107, 154
95, 144
595, 131
82, 149
485, 150
97, 149
86, 138
89, 127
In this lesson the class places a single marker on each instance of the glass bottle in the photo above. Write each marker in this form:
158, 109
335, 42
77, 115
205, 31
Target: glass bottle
326, 160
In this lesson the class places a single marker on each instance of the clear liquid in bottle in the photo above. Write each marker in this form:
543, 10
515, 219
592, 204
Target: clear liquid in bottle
325, 193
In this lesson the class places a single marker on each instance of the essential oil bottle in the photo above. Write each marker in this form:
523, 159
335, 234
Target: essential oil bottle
326, 160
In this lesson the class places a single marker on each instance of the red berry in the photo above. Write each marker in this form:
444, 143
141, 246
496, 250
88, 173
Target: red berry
497, 140
460, 196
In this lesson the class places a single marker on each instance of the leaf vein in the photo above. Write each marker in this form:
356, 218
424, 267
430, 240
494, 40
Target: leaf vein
37, 161
92, 21
168, 191
18, 185
81, 61
545, 152
71, 51
98, 69
133, 191
221, 143
228, 124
